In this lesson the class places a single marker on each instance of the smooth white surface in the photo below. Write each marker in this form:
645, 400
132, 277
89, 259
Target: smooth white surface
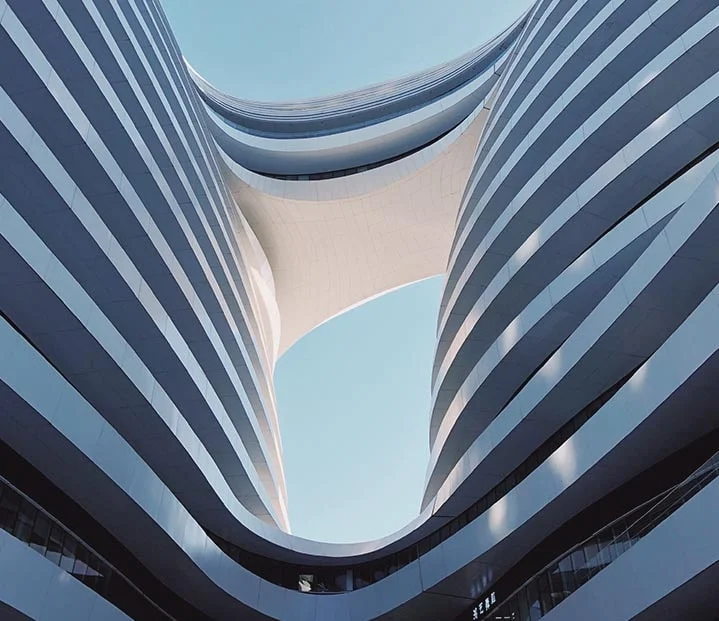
343, 241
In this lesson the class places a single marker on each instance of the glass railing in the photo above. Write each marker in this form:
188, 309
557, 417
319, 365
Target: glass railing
558, 580
28, 522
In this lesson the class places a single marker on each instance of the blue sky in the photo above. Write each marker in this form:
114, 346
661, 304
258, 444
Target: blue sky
353, 400
354, 394
286, 49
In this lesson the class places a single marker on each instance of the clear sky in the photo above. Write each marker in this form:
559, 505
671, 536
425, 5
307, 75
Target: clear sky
353, 399
354, 394
276, 50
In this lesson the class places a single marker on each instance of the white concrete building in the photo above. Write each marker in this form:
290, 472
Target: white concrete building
162, 243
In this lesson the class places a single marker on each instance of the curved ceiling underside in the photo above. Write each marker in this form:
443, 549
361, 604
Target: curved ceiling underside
404, 149
330, 254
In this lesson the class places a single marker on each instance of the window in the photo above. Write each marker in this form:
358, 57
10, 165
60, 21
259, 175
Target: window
54, 546
40, 533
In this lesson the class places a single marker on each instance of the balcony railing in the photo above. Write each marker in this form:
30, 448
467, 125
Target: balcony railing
558, 580
28, 522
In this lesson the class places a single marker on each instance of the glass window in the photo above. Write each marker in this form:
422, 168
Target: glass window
642, 525
511, 609
68, 553
343, 580
519, 607
82, 555
324, 581
361, 577
544, 590
445, 532
274, 573
9, 506
533, 601
454, 526
103, 580
404, 557
594, 561
25, 520
579, 568
306, 582
40, 533
566, 571
621, 538
54, 544
423, 546
92, 572
434, 540
605, 550
556, 584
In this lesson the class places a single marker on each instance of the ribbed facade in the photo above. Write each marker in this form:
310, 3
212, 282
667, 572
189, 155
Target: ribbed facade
564, 177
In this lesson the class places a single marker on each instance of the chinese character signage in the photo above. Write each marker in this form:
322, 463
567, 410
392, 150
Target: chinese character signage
484, 605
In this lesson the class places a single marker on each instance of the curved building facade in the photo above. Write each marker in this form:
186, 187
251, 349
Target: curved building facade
162, 243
